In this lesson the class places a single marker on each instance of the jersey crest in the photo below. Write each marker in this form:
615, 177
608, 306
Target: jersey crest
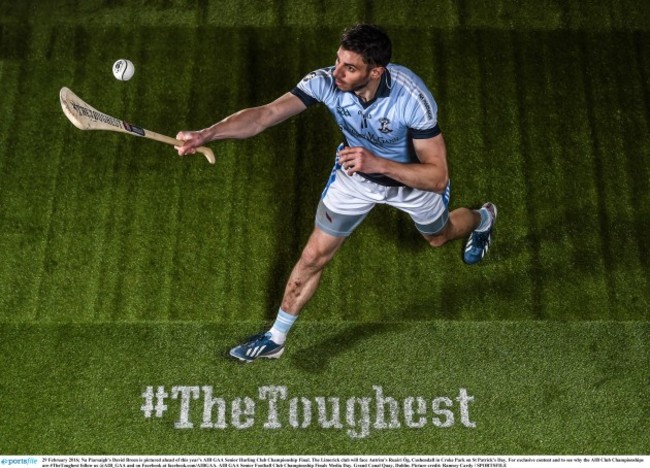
384, 126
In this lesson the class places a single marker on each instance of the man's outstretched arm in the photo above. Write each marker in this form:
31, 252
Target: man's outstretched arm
243, 124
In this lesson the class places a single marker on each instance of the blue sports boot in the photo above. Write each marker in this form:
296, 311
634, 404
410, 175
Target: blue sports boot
479, 242
258, 346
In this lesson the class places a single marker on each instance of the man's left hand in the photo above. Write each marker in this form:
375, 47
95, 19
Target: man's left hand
359, 159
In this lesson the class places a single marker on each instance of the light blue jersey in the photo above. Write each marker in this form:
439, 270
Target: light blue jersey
402, 110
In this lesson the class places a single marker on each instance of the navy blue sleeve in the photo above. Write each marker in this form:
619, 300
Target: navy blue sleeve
304, 97
426, 133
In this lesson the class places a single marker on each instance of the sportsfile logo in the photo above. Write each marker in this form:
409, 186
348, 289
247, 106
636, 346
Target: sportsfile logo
273, 408
18, 461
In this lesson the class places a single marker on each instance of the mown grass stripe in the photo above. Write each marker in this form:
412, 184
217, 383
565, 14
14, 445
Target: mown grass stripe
15, 278
236, 272
580, 190
525, 122
223, 233
142, 248
11, 74
79, 205
152, 206
642, 48
85, 204
502, 167
118, 226
636, 151
7, 77
555, 247
621, 253
245, 279
202, 7
186, 98
27, 300
463, 145
119, 274
466, 153
105, 155
166, 175
597, 153
40, 206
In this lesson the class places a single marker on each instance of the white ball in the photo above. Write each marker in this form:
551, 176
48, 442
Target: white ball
123, 70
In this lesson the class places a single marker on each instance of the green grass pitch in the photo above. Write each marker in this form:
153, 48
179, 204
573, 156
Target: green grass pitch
124, 267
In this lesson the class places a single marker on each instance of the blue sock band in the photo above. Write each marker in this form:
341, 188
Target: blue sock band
486, 220
284, 321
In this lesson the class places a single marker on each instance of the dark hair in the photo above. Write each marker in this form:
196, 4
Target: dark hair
369, 41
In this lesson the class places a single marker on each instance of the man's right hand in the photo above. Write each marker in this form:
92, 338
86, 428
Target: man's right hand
191, 140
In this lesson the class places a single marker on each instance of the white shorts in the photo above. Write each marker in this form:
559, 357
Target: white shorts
347, 200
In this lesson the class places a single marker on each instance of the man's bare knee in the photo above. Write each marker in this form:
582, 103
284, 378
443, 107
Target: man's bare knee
319, 251
437, 241
312, 258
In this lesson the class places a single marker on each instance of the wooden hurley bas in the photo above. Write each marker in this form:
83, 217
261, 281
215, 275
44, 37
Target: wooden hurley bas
86, 117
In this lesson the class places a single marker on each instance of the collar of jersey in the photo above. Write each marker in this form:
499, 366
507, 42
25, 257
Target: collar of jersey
383, 91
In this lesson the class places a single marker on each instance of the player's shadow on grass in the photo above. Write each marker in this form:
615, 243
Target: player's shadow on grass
316, 359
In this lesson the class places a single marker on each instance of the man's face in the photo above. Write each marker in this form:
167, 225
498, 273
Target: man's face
350, 72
